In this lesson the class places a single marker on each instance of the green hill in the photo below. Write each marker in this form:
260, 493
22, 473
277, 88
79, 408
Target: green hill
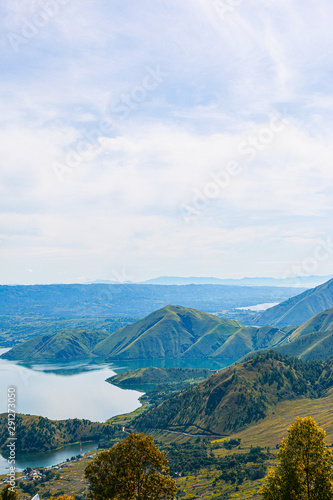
36, 434
248, 339
176, 332
317, 345
311, 340
299, 309
238, 396
65, 345
321, 322
170, 332
156, 376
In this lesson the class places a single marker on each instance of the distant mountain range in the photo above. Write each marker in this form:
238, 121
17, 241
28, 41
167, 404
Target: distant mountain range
62, 302
298, 281
299, 308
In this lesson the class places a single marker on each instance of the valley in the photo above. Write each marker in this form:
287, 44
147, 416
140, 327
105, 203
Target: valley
234, 464
216, 393
68, 302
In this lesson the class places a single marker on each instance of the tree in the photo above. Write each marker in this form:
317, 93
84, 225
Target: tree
305, 465
133, 469
7, 493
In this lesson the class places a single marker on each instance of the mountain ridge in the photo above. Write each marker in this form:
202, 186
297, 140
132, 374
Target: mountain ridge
300, 308
168, 332
176, 332
238, 396
297, 281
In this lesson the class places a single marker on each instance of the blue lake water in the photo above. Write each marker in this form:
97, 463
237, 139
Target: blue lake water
73, 390
258, 307
46, 459
60, 391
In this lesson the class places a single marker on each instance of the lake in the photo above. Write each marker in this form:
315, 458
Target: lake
60, 391
46, 459
75, 389
259, 307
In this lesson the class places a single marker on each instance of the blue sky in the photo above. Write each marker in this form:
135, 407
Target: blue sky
147, 138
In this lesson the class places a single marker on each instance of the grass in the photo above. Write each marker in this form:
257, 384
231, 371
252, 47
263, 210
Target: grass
127, 418
201, 486
271, 430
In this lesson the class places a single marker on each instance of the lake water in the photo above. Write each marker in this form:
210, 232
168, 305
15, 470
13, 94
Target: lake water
73, 390
60, 391
259, 307
46, 459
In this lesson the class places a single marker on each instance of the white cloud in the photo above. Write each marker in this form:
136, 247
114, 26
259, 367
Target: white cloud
122, 203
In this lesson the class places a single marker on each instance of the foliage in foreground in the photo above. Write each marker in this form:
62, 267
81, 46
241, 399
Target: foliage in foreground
8, 494
62, 497
132, 469
305, 465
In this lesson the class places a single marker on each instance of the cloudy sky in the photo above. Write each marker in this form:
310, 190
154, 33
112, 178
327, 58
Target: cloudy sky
148, 138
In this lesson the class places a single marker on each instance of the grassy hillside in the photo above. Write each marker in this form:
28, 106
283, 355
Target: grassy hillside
170, 332
37, 434
317, 345
176, 332
321, 322
299, 309
238, 396
311, 340
248, 339
66, 345
271, 430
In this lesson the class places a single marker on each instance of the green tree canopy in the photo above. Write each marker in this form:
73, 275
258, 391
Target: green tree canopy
134, 469
7, 493
304, 468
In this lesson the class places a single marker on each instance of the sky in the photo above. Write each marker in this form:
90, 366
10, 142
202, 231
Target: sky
154, 138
